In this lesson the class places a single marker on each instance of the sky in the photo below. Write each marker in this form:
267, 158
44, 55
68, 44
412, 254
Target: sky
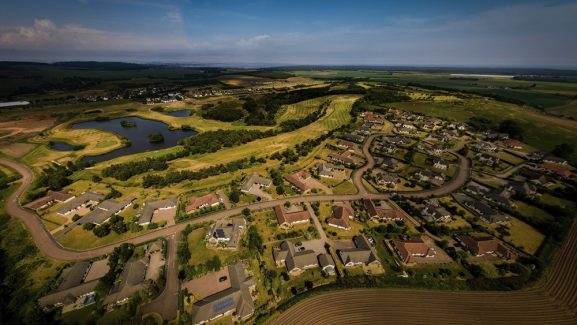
314, 32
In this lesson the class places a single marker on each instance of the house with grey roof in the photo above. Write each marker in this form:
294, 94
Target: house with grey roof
132, 280
362, 254
86, 199
105, 210
254, 181
329, 170
227, 233
295, 260
150, 207
235, 300
327, 264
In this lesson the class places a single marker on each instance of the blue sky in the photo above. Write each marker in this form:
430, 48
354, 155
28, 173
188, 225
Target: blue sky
427, 33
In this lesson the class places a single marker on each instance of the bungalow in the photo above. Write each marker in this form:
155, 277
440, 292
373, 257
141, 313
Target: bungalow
485, 245
370, 117
483, 211
408, 250
435, 214
344, 144
86, 199
76, 289
534, 177
387, 179
105, 210
254, 181
295, 261
389, 148
341, 216
196, 203
389, 163
512, 143
399, 140
437, 149
483, 146
227, 232
152, 207
132, 280
342, 158
299, 181
554, 160
361, 254
555, 169
327, 264
49, 199
425, 175
354, 137
288, 219
487, 159
523, 188
232, 297
379, 214
501, 197
439, 163
329, 170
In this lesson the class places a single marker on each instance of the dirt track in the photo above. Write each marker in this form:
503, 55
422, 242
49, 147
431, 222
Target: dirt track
553, 303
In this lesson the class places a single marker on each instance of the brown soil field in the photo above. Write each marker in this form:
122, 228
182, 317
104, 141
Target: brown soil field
16, 149
553, 302
31, 124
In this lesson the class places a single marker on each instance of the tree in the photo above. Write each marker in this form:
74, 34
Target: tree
512, 128
88, 226
102, 230
234, 195
563, 150
246, 212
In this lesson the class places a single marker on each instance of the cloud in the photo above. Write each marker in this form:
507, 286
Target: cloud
253, 42
46, 35
173, 17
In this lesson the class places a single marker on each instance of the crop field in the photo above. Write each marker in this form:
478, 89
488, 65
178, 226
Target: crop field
554, 302
336, 116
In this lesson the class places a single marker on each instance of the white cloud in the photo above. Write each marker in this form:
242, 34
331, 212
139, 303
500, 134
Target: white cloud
173, 17
253, 42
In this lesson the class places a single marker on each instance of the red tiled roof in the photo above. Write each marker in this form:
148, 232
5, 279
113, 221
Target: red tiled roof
290, 217
341, 216
297, 178
556, 169
412, 247
196, 202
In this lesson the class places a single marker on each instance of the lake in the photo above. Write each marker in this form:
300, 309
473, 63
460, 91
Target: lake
179, 113
138, 136
60, 146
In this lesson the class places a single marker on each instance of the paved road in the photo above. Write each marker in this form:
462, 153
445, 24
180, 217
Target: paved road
50, 247
166, 304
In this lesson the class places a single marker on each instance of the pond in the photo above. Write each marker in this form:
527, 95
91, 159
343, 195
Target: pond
179, 113
61, 146
136, 135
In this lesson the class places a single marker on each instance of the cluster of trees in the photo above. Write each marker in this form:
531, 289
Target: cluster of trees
55, 177
254, 241
382, 95
277, 181
262, 111
116, 261
116, 224
182, 252
5, 180
124, 171
213, 141
189, 272
127, 124
179, 176
226, 112
512, 128
155, 137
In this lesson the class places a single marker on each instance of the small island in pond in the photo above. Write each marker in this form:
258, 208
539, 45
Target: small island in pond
155, 137
128, 124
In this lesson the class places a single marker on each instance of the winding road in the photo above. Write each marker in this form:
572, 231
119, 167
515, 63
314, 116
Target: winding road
165, 304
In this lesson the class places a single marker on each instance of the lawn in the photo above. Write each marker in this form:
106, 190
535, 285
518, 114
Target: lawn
345, 187
524, 236
200, 253
326, 212
79, 238
533, 212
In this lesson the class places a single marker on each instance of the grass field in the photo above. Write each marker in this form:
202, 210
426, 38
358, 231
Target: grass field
79, 238
525, 236
541, 131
